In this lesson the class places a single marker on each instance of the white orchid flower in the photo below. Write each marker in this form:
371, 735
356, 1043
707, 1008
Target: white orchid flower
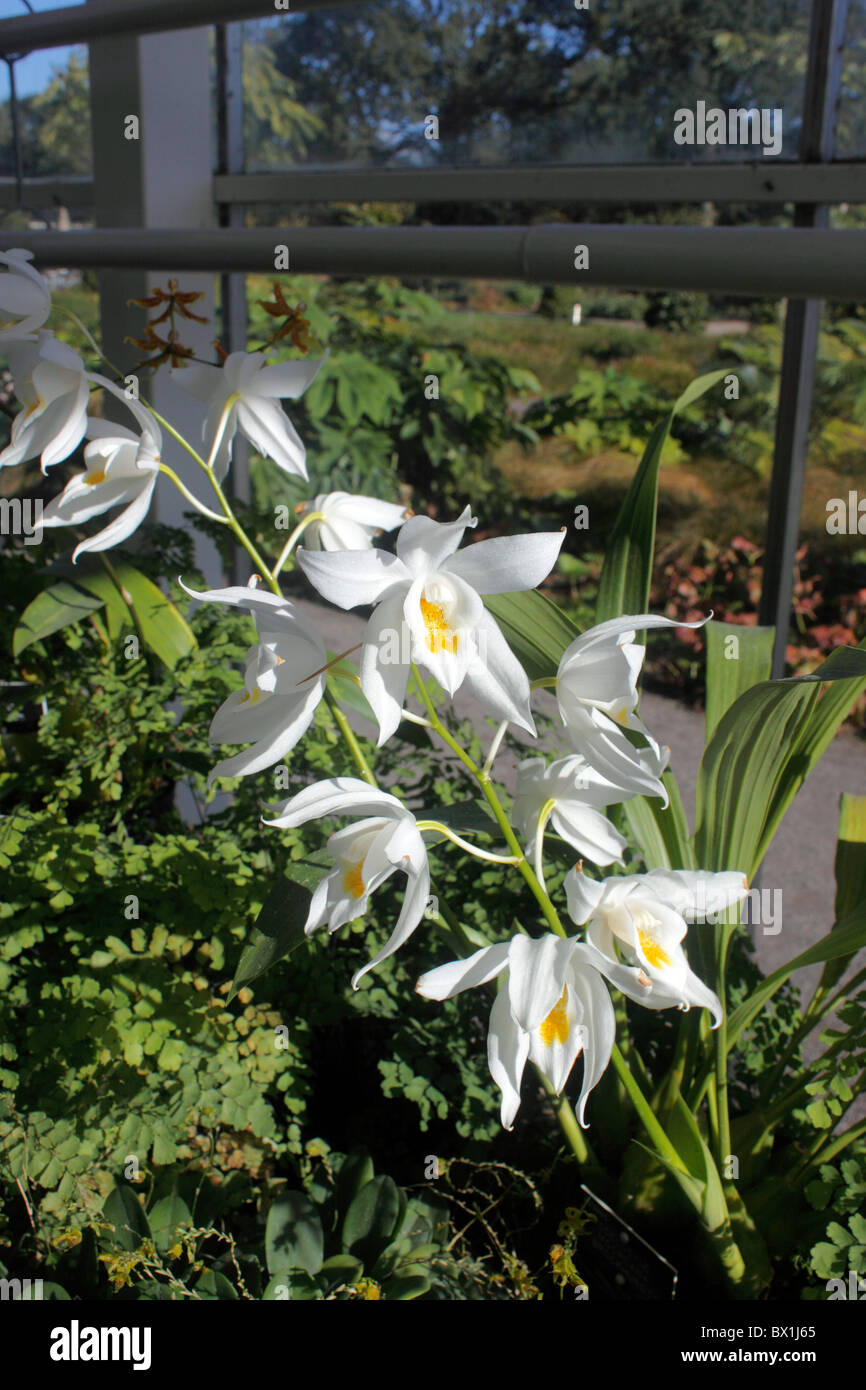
347, 522
428, 609
596, 689
244, 394
366, 854
284, 681
122, 470
646, 916
25, 299
568, 793
552, 1006
54, 388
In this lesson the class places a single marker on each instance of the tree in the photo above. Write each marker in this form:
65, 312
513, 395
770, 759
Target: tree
61, 116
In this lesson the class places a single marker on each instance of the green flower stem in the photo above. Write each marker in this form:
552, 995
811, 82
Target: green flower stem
449, 834
720, 1042
348, 734
484, 782
568, 1123
650, 1123
294, 538
61, 309
184, 490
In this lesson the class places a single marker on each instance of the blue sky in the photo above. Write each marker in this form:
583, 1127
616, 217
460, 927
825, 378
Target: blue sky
32, 73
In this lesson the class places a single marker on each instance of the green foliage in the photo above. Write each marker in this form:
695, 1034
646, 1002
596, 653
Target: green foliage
676, 310
841, 1189
390, 411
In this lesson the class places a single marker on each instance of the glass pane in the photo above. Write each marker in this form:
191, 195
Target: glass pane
851, 124
53, 113
524, 83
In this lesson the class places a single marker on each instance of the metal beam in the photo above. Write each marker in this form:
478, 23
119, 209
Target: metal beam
764, 261
47, 192
80, 24
754, 182
841, 182
800, 346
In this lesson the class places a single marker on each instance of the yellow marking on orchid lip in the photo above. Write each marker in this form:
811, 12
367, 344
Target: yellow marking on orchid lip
93, 478
253, 697
622, 718
38, 404
353, 881
555, 1027
440, 636
652, 950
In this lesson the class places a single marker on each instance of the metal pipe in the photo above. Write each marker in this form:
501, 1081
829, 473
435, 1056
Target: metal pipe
763, 261
842, 182
75, 24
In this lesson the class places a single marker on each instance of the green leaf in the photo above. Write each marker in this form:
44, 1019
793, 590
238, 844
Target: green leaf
850, 872
404, 1286
729, 676
537, 631
293, 1285
692, 1149
842, 940
662, 835
349, 695
355, 1171
57, 607
212, 1286
850, 866
162, 625
166, 1217
279, 927
340, 1269
373, 1217
126, 1214
293, 1235
624, 585
760, 753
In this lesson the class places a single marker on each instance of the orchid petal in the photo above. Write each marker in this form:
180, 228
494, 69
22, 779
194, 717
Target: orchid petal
350, 578
507, 564
507, 1051
444, 981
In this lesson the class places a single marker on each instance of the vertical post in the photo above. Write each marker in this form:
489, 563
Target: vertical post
156, 176
802, 322
233, 288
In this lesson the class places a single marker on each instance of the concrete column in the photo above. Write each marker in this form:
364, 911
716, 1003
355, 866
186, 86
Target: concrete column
161, 179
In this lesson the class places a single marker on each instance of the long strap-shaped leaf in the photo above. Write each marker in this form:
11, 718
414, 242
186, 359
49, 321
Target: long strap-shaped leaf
624, 586
842, 940
762, 750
